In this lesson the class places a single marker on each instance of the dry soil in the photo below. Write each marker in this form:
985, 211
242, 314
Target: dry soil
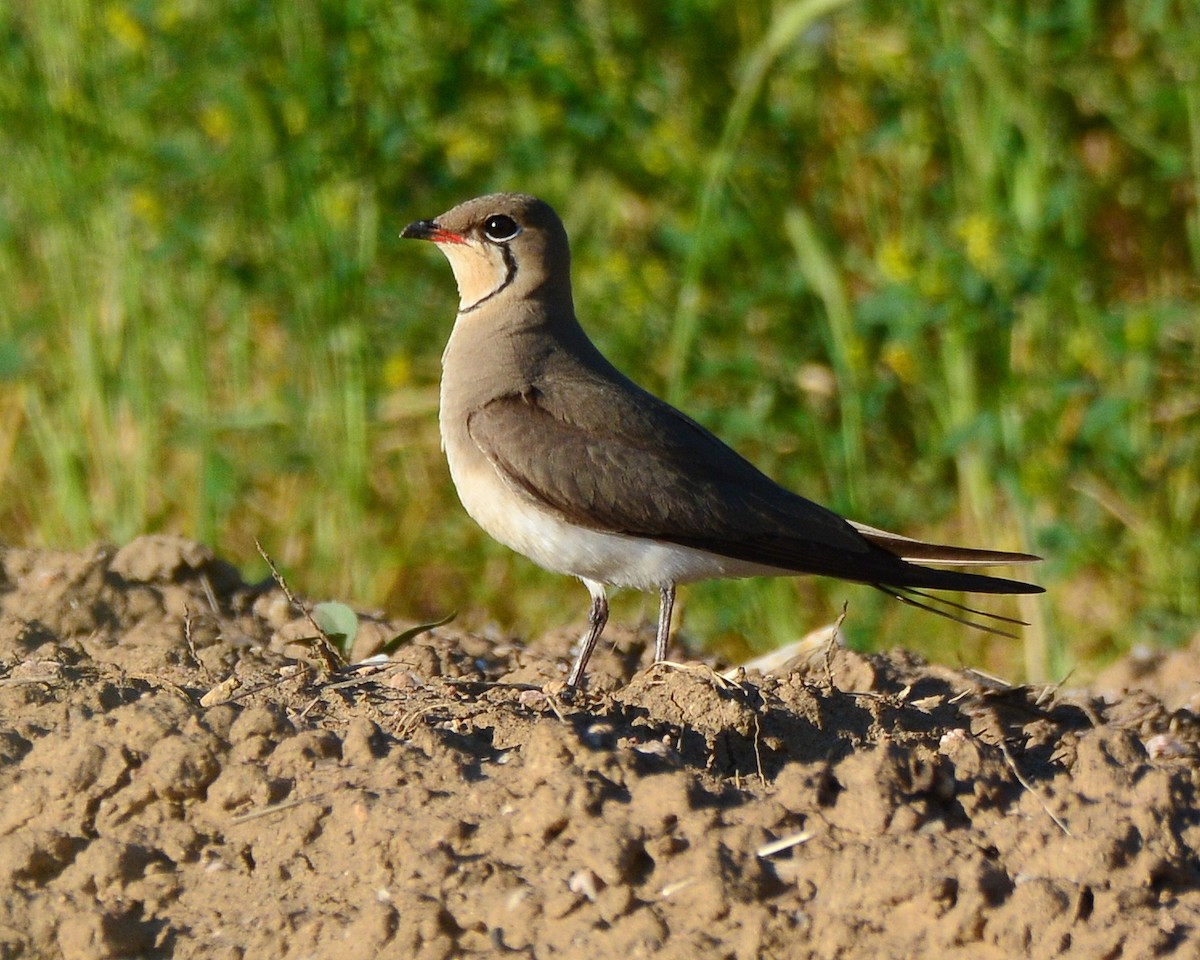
181, 777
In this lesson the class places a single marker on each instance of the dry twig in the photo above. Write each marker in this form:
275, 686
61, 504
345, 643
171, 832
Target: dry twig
328, 654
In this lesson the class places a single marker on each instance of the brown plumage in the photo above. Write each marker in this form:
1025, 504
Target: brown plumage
561, 457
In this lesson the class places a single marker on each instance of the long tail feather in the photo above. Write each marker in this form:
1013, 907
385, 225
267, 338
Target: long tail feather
929, 604
922, 551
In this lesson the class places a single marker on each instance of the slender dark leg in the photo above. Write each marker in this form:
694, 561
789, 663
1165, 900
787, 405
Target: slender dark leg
665, 605
597, 618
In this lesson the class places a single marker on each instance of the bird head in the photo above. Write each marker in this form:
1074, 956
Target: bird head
505, 246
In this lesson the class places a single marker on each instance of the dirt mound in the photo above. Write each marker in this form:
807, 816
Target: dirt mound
179, 779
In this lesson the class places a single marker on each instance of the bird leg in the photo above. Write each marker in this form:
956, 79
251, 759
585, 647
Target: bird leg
665, 606
597, 618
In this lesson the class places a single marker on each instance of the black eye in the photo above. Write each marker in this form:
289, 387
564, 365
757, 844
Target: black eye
500, 227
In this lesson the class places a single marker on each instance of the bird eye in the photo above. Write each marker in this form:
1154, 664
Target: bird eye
500, 227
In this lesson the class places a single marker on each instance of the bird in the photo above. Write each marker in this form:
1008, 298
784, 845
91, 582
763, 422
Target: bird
562, 458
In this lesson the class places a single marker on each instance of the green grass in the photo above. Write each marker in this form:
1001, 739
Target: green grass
932, 264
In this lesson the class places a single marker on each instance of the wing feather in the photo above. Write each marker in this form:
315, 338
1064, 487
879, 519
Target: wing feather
637, 466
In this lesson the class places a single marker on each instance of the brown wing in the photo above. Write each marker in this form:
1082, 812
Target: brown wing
636, 473
639, 467
674, 482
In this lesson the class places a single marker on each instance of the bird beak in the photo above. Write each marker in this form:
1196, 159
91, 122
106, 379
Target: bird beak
429, 230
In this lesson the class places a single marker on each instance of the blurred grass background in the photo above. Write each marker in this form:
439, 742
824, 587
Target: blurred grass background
933, 264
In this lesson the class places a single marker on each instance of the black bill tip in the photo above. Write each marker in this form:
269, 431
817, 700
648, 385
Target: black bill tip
420, 230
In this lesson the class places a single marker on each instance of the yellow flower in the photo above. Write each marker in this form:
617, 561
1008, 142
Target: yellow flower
893, 260
217, 123
168, 14
899, 359
465, 148
295, 115
978, 234
146, 206
125, 28
397, 370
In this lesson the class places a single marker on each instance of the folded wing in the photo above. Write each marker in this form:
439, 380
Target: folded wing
646, 470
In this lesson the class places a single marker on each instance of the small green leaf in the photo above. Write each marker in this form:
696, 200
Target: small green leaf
338, 621
413, 632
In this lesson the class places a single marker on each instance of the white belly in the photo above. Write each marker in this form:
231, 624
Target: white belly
614, 559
